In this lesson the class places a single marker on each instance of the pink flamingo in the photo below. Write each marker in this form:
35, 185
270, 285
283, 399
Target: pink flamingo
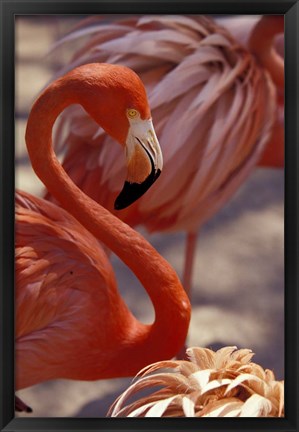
214, 109
262, 45
263, 37
71, 321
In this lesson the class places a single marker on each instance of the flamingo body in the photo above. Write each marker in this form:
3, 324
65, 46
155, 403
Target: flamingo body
213, 107
66, 298
71, 320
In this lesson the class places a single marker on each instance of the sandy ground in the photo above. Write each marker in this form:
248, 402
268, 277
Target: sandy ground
238, 296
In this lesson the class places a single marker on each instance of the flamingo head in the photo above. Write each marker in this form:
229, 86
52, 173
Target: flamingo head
115, 98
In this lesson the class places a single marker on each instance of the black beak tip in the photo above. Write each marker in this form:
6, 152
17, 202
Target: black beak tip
132, 191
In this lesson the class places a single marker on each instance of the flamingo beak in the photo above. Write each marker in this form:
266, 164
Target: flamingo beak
144, 162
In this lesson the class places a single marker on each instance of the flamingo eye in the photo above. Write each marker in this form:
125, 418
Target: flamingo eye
132, 113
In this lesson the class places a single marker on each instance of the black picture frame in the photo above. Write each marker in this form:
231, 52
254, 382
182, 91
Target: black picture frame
8, 10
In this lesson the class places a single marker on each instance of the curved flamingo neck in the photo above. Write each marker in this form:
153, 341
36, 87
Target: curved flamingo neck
172, 309
262, 46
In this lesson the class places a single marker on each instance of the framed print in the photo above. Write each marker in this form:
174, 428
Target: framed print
149, 158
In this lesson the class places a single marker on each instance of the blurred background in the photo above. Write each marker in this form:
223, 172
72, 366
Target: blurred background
238, 284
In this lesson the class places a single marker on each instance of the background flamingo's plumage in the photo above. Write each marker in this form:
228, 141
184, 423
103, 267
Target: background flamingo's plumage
213, 108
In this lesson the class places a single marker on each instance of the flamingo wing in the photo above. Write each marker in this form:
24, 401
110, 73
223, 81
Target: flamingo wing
213, 109
64, 289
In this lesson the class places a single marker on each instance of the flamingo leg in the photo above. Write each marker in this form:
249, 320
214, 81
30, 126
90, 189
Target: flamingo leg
190, 251
189, 261
21, 406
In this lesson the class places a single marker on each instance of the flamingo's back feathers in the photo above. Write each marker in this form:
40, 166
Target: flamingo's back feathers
213, 109
66, 290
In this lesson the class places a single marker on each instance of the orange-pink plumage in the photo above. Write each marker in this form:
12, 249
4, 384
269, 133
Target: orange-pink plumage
71, 320
214, 106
